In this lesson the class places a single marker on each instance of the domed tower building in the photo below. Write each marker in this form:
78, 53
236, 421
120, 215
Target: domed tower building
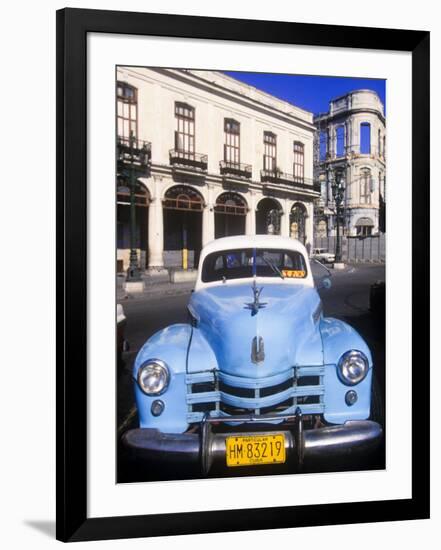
350, 148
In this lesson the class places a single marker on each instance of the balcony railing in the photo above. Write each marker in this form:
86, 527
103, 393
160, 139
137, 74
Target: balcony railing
275, 176
228, 168
187, 159
133, 152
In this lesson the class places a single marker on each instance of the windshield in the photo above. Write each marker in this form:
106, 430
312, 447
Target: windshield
247, 262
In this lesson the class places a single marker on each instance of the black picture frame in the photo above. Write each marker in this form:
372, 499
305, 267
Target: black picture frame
72, 28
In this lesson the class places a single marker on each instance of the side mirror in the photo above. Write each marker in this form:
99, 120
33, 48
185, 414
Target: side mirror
325, 283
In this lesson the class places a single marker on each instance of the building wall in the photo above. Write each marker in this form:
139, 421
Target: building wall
215, 97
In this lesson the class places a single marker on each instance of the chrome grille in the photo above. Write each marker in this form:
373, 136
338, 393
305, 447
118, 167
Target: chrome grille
224, 395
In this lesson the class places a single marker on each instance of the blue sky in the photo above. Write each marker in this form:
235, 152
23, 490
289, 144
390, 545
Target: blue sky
312, 93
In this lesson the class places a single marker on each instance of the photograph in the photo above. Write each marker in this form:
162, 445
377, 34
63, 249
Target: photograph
221, 257
250, 259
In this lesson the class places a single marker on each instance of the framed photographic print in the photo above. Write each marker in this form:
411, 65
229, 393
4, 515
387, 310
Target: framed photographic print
242, 250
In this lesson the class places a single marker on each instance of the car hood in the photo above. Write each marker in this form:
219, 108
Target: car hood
281, 334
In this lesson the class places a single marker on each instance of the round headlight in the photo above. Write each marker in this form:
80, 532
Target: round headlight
353, 367
153, 377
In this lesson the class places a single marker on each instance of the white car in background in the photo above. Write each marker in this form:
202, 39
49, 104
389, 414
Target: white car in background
322, 255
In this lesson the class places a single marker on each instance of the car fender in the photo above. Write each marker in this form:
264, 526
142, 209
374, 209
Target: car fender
170, 345
338, 337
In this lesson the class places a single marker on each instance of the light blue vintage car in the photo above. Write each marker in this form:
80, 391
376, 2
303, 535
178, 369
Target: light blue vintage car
258, 375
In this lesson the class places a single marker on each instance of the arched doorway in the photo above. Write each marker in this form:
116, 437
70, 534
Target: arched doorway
230, 213
123, 217
183, 207
297, 222
268, 216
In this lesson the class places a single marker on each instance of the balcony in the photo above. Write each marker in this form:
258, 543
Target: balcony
235, 169
134, 153
188, 160
282, 178
276, 176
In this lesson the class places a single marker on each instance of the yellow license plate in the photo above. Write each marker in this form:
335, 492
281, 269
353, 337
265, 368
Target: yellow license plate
253, 450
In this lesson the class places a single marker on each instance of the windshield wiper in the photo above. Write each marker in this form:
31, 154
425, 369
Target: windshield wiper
273, 267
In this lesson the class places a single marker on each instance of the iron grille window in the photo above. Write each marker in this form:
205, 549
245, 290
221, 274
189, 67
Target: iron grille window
365, 186
269, 151
230, 203
185, 130
232, 141
127, 111
299, 161
182, 197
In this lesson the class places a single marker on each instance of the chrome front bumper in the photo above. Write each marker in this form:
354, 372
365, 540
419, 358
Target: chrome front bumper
207, 447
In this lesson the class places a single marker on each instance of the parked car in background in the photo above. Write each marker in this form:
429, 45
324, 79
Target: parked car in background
322, 255
377, 299
120, 329
258, 375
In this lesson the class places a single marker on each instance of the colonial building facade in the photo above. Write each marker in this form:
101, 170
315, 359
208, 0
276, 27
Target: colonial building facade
351, 144
211, 157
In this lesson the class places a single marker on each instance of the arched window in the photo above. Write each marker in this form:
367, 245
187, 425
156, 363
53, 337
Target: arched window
299, 162
364, 227
142, 197
365, 138
230, 203
123, 222
230, 212
127, 111
365, 186
183, 197
340, 137
268, 215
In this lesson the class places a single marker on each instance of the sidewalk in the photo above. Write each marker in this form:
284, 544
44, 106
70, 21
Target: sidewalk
152, 288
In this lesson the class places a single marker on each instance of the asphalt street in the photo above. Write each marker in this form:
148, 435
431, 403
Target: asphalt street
347, 299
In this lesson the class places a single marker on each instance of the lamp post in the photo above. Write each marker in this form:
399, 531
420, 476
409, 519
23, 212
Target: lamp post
132, 160
133, 271
338, 193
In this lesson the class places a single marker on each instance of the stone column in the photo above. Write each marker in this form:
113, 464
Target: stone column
208, 218
156, 229
207, 224
285, 221
309, 223
250, 221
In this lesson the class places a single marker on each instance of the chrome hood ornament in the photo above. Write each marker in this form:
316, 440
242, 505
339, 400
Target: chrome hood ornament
256, 304
257, 350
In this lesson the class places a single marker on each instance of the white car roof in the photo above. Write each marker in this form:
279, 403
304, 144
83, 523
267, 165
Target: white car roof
254, 241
